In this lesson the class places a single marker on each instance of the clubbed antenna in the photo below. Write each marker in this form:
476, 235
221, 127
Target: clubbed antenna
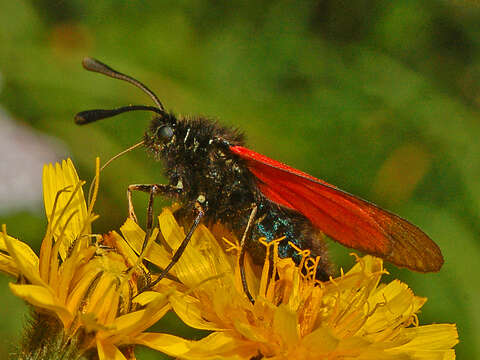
89, 116
94, 65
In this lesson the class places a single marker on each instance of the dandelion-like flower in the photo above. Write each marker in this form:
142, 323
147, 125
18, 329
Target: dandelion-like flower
81, 291
91, 298
294, 316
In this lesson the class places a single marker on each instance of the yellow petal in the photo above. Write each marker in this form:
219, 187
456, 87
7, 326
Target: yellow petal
429, 342
112, 311
203, 258
401, 304
104, 299
147, 297
367, 264
320, 340
8, 266
114, 240
285, 323
68, 270
77, 294
108, 351
168, 344
358, 345
135, 236
190, 311
250, 332
101, 294
218, 345
24, 257
70, 207
40, 296
137, 321
53, 265
45, 257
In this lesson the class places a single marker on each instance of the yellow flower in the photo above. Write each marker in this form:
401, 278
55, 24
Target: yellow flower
81, 290
294, 316
84, 289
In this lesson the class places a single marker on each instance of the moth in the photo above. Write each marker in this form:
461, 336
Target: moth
216, 178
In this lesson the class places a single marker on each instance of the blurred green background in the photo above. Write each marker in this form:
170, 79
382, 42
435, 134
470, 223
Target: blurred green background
380, 98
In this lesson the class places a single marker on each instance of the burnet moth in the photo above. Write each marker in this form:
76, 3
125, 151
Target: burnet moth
215, 178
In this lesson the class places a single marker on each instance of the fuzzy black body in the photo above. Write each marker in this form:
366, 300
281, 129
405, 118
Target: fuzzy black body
199, 163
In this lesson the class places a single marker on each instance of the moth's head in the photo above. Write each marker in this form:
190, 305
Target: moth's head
161, 133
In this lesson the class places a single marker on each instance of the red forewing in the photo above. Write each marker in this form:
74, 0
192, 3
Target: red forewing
353, 222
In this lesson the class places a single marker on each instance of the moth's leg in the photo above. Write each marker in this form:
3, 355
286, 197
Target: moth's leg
242, 254
153, 190
130, 189
147, 188
183, 245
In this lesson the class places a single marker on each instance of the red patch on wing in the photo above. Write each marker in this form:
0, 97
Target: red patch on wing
353, 222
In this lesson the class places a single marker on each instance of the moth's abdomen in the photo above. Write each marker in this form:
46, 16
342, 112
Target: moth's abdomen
297, 234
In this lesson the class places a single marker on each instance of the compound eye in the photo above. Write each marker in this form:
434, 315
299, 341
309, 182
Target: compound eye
165, 133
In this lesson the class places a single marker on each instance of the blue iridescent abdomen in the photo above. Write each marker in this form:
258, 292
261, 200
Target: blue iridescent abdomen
275, 225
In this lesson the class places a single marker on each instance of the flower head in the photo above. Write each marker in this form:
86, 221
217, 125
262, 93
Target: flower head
294, 316
81, 290
89, 298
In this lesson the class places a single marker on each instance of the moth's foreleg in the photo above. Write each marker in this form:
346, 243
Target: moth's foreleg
178, 253
153, 190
